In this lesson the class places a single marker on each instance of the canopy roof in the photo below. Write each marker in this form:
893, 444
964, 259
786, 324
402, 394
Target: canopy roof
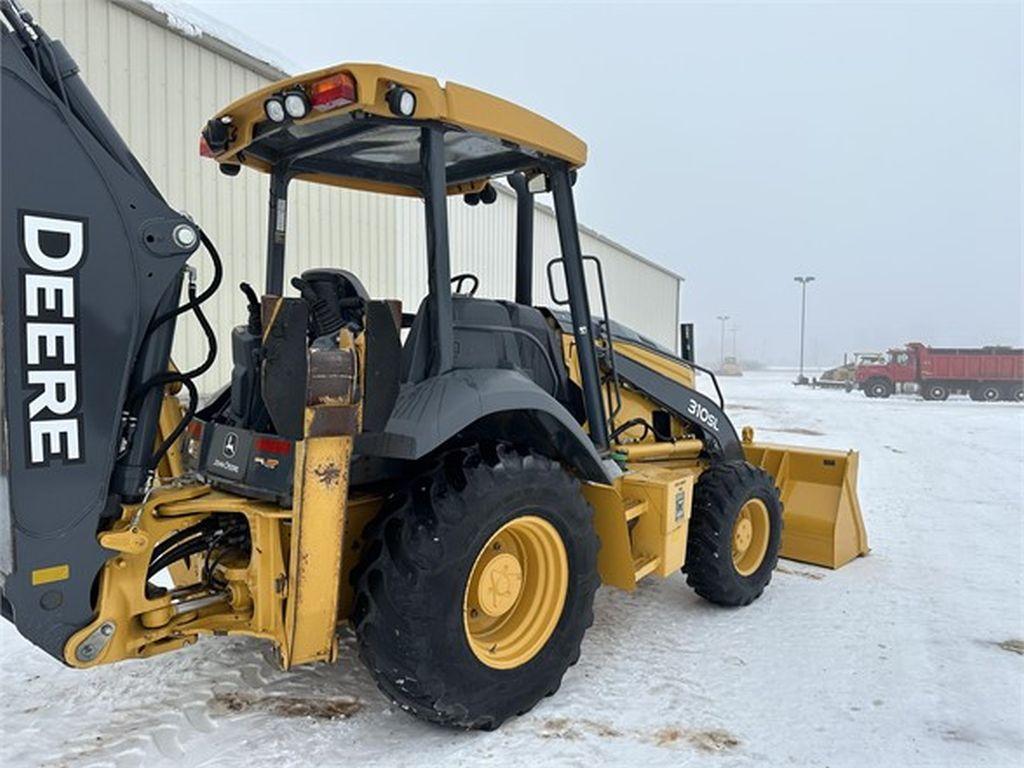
363, 145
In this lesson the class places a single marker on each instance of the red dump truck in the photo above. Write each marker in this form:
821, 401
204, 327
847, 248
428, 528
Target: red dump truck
983, 373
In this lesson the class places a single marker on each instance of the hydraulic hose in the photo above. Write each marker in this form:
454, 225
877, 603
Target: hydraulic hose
193, 547
185, 378
199, 529
35, 39
218, 275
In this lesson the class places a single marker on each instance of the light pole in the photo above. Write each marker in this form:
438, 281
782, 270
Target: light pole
722, 319
801, 379
734, 330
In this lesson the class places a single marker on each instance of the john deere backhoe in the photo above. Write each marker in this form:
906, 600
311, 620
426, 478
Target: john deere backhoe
457, 497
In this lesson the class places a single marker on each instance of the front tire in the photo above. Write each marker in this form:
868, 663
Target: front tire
878, 388
735, 533
477, 587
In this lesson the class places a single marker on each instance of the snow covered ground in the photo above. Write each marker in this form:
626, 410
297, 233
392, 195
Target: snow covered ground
910, 656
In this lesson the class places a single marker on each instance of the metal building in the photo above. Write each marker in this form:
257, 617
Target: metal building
160, 77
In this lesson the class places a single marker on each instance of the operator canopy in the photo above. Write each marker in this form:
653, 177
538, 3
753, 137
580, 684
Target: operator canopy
359, 125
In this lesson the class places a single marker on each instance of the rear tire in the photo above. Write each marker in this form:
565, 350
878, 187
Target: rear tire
988, 393
412, 588
1015, 393
723, 495
935, 392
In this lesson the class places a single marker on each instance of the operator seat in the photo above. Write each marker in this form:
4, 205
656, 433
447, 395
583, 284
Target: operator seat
489, 334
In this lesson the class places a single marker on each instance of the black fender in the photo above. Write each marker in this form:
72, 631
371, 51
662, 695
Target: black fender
498, 403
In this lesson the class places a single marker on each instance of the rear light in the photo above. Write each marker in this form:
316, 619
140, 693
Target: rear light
273, 445
334, 91
274, 107
194, 441
296, 104
215, 136
401, 101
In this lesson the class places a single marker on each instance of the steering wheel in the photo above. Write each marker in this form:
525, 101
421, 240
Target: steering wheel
458, 280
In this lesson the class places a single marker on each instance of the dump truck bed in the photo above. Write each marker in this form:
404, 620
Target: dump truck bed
984, 363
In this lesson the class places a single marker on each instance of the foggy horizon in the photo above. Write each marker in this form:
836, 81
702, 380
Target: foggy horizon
874, 146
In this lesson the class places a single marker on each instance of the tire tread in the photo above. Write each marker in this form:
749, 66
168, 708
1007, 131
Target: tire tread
392, 615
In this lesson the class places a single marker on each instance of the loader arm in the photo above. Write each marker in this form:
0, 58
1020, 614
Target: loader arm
687, 404
818, 488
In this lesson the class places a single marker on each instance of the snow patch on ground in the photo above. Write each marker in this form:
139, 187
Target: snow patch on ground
910, 656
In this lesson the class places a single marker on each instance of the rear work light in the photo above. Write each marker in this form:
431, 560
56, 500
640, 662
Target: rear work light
334, 91
274, 107
296, 104
401, 101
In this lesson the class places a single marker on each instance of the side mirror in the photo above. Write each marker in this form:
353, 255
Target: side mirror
560, 298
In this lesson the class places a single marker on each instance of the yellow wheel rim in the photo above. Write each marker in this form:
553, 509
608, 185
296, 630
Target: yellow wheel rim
750, 535
516, 592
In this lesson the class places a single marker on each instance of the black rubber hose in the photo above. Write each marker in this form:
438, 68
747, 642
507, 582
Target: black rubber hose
186, 380
200, 528
21, 26
172, 377
58, 80
190, 412
204, 536
174, 540
195, 300
637, 422
189, 548
194, 303
218, 275
211, 342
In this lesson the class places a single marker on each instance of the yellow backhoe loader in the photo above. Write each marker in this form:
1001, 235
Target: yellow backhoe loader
457, 496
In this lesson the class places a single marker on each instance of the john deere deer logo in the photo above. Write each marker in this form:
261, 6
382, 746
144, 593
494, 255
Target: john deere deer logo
230, 445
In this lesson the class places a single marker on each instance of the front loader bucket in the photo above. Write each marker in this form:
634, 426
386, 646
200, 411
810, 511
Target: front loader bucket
822, 523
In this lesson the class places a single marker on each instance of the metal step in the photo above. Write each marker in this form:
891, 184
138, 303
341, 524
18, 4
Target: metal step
633, 508
645, 565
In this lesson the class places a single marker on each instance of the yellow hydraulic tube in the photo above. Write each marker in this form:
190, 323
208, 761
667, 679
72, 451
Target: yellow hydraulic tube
654, 451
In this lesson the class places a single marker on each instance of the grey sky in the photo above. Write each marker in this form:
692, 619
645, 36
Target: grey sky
874, 145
